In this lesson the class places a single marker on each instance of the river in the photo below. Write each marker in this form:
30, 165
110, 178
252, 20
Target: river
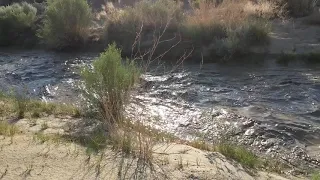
272, 108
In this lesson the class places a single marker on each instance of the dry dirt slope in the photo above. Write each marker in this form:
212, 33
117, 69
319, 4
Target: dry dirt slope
24, 157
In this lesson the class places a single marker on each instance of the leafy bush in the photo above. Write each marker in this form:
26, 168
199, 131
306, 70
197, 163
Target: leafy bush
16, 22
109, 83
66, 23
152, 17
257, 32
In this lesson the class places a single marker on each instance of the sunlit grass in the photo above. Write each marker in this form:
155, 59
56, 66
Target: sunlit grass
239, 154
21, 107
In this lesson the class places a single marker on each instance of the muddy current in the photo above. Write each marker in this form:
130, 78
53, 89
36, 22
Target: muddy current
270, 108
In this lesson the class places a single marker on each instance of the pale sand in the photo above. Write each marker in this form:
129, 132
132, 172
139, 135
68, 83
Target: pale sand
22, 157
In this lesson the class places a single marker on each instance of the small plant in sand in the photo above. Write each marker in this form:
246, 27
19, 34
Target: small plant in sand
7, 129
109, 83
239, 154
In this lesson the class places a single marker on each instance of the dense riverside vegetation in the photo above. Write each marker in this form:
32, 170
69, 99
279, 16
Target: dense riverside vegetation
204, 29
223, 30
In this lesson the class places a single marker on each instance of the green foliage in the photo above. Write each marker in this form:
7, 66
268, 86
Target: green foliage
257, 32
151, 16
16, 21
226, 40
66, 23
239, 40
239, 154
315, 176
23, 107
108, 84
204, 34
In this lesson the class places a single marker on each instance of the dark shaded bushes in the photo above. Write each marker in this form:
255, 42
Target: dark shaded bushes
66, 24
17, 24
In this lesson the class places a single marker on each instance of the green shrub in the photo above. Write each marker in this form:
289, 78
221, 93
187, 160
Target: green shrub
204, 34
108, 84
239, 40
16, 22
257, 32
153, 16
226, 30
66, 23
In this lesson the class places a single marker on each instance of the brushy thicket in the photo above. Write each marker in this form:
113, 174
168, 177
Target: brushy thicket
231, 28
16, 22
66, 23
146, 17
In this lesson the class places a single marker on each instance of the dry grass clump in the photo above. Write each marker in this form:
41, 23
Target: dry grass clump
134, 140
265, 9
7, 129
